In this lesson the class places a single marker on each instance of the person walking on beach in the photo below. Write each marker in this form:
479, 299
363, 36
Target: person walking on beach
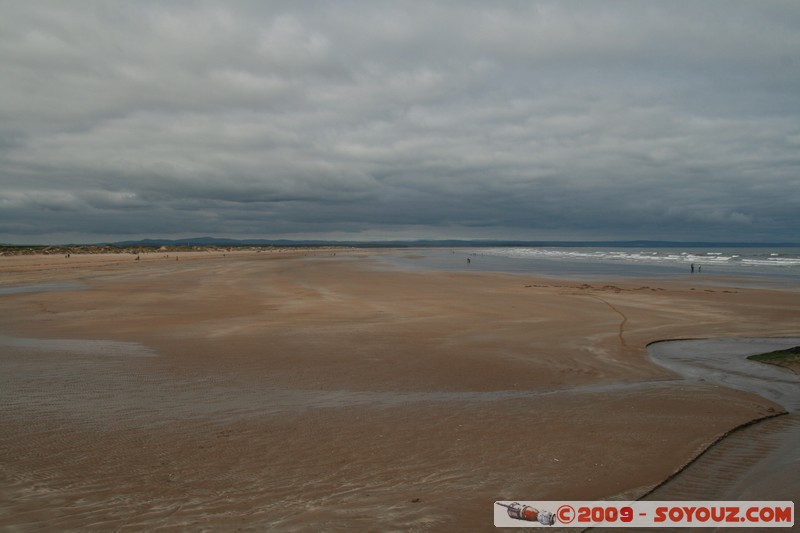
692, 267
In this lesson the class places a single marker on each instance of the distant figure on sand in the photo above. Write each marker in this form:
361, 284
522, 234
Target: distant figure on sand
468, 261
692, 268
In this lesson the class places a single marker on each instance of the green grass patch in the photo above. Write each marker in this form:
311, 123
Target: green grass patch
789, 358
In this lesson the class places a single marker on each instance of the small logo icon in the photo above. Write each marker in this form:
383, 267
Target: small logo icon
528, 513
565, 514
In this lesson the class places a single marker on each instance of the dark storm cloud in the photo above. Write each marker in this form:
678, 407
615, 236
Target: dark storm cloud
370, 119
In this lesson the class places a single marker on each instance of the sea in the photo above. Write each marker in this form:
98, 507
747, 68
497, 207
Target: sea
777, 266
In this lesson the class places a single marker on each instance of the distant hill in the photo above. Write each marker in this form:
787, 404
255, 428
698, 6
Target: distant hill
214, 241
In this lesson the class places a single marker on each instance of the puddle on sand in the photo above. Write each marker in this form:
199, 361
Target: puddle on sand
41, 287
90, 347
90, 379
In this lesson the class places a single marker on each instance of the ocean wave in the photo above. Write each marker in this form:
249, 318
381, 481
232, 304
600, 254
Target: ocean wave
740, 258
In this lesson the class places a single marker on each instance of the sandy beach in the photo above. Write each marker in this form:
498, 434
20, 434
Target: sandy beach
302, 391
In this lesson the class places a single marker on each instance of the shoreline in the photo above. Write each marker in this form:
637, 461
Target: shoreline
587, 270
234, 335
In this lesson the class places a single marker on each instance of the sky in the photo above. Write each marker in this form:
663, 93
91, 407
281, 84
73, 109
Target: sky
372, 120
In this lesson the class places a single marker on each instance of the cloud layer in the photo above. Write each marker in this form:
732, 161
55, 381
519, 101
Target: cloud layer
531, 120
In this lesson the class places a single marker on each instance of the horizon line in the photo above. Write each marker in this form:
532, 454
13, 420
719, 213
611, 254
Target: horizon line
221, 241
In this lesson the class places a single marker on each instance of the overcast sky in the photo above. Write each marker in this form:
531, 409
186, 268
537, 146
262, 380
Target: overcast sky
374, 120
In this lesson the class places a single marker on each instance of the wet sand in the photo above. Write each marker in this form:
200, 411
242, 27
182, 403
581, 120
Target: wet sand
757, 462
300, 391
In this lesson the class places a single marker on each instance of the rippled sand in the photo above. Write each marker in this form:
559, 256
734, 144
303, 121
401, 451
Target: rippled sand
302, 391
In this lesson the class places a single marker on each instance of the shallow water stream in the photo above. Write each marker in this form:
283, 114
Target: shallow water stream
758, 462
